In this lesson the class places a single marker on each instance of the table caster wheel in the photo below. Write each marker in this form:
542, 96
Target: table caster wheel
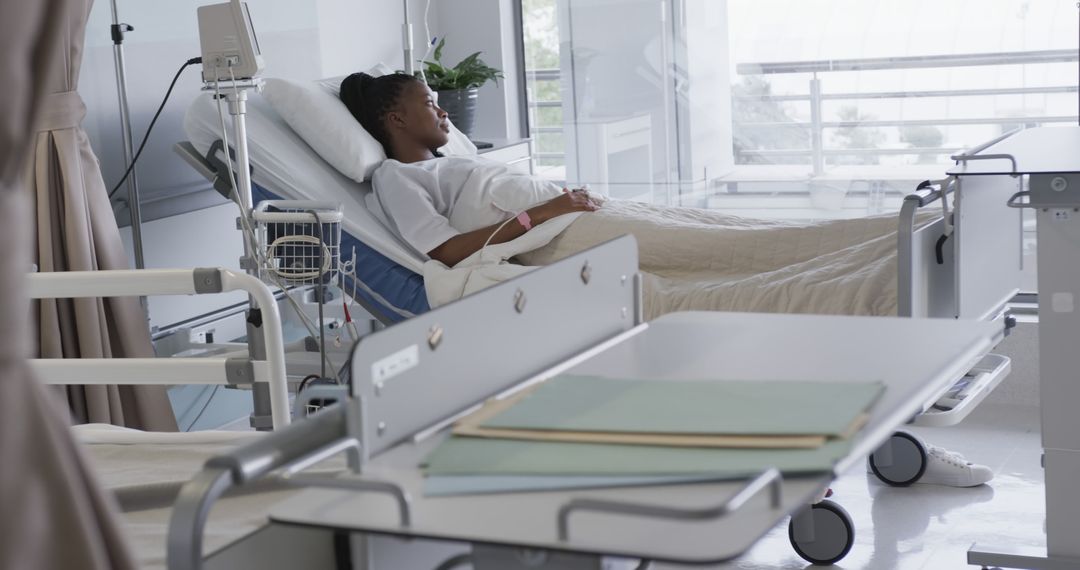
901, 461
824, 535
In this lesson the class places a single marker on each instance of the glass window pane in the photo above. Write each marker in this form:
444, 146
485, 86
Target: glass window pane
808, 109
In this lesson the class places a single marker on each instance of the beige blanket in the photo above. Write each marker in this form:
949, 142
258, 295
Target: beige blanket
705, 260
145, 471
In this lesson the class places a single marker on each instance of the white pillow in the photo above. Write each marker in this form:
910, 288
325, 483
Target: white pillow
459, 143
317, 114
327, 126
333, 84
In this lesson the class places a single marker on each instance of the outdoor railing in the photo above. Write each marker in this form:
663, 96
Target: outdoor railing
815, 96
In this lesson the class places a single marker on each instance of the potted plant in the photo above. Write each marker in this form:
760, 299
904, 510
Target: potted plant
458, 86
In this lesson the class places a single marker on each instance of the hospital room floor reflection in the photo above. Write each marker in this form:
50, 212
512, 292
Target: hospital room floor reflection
929, 527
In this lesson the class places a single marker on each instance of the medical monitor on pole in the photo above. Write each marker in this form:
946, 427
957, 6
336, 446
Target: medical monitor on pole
230, 49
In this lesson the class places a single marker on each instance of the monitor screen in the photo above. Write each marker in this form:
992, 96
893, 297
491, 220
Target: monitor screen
254, 36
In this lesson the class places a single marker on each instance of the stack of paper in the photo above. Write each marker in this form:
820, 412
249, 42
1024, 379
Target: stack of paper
576, 431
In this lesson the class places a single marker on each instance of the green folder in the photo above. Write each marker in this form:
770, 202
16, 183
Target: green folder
478, 456
595, 404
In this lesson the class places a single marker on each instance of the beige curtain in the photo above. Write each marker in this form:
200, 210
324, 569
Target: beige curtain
54, 516
76, 231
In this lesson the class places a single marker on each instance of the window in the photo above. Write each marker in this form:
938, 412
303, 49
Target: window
786, 108
797, 109
540, 34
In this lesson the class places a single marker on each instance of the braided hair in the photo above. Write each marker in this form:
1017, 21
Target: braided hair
369, 99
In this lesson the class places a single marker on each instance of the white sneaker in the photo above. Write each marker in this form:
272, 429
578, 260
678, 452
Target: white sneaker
945, 467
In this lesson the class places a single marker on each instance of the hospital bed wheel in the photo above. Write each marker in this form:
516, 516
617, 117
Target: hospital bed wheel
907, 463
833, 534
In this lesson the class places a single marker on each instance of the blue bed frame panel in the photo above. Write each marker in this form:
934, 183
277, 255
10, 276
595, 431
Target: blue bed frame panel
400, 287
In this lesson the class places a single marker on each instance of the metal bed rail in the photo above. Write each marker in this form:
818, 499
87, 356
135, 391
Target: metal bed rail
162, 371
931, 282
916, 280
293, 449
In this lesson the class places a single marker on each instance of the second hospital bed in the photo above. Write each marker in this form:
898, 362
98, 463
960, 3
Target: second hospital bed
964, 263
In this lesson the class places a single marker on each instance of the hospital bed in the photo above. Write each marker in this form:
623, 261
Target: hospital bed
284, 166
227, 369
963, 263
379, 516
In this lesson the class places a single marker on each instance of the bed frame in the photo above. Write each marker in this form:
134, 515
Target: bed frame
232, 370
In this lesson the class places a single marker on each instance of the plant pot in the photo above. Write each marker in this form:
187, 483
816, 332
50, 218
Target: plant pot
460, 105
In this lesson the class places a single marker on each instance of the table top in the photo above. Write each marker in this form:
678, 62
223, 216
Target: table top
1042, 150
916, 359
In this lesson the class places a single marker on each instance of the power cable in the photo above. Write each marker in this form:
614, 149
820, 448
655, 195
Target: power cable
150, 128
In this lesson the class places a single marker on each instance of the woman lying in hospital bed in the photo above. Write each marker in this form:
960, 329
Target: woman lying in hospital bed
469, 215
448, 208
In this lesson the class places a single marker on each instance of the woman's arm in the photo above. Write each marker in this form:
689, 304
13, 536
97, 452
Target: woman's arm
454, 250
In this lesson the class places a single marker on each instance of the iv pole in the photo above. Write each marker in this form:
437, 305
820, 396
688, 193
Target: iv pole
407, 41
118, 30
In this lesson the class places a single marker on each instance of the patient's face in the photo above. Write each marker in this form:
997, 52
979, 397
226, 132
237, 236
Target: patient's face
424, 121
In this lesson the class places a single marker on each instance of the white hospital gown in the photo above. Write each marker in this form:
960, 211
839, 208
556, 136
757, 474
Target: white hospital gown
426, 203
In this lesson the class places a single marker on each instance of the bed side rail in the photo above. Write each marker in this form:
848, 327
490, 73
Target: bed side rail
924, 261
974, 271
159, 371
925, 194
989, 252
522, 329
288, 451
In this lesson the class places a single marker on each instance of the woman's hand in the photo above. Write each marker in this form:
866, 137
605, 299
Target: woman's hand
569, 201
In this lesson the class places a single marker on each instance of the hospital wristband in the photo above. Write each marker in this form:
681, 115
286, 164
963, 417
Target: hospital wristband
525, 221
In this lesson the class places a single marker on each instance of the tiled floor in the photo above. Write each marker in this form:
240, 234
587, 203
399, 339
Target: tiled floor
931, 527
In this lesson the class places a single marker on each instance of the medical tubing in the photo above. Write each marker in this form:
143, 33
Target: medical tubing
498, 229
321, 295
513, 216
153, 121
350, 327
245, 223
430, 42
199, 416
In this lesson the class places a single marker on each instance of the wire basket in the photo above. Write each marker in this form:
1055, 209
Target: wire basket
299, 241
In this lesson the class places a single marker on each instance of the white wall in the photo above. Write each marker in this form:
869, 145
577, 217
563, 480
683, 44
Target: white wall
357, 34
204, 238
166, 34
